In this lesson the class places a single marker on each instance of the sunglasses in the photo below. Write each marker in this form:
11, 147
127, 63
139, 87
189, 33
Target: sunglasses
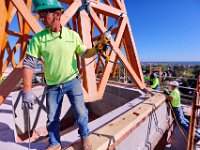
43, 14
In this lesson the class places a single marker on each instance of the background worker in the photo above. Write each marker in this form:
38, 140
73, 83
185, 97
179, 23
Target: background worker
175, 100
153, 80
57, 45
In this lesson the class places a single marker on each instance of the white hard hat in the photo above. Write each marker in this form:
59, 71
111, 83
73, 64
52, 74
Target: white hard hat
174, 83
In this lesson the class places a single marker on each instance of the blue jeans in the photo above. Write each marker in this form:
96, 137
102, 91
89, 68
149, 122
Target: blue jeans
184, 122
54, 104
157, 87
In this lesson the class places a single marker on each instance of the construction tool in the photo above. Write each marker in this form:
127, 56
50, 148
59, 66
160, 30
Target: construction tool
103, 42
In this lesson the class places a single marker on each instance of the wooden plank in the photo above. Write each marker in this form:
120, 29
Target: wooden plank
108, 2
27, 15
3, 18
14, 76
114, 132
97, 66
116, 63
27, 36
106, 9
11, 12
74, 22
131, 48
10, 57
121, 5
71, 10
9, 16
132, 73
7, 86
107, 71
25, 30
89, 77
20, 22
121, 30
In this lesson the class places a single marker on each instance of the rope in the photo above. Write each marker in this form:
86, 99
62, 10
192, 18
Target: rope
178, 124
173, 114
29, 137
85, 5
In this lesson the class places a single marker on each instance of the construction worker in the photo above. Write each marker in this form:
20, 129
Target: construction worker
154, 81
57, 45
175, 100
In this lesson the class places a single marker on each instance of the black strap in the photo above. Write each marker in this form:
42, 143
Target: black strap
85, 5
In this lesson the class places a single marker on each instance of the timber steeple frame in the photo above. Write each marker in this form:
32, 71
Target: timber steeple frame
89, 26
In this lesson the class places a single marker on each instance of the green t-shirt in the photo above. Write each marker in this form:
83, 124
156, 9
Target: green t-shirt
60, 64
176, 102
153, 82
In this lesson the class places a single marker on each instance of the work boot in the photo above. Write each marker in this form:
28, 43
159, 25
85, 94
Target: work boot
56, 147
86, 145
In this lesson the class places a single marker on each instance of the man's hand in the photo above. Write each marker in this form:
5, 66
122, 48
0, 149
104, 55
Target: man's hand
166, 91
101, 47
28, 100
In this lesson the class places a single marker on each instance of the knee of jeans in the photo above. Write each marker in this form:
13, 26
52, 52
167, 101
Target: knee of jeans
82, 117
52, 119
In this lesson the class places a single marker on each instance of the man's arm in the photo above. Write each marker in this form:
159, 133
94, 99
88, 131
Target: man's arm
29, 65
169, 97
155, 83
89, 53
27, 79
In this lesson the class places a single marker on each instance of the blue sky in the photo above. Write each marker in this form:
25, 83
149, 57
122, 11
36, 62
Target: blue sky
165, 30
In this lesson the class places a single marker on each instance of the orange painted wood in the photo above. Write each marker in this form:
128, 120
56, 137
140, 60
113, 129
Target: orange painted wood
11, 55
27, 36
27, 15
115, 67
67, 15
86, 24
74, 21
131, 48
3, 17
108, 2
89, 76
120, 5
11, 80
106, 9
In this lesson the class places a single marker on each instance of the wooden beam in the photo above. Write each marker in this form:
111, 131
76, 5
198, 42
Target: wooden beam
68, 14
106, 9
3, 18
114, 31
102, 84
132, 73
120, 5
74, 22
89, 76
14, 76
11, 54
131, 48
27, 36
108, 68
116, 63
27, 15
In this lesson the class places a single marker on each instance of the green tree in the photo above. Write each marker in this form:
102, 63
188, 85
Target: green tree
179, 71
196, 71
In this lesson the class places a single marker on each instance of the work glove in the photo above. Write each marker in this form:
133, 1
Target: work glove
28, 100
101, 47
166, 91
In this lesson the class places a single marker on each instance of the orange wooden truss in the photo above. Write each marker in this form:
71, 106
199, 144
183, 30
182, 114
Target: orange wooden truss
17, 14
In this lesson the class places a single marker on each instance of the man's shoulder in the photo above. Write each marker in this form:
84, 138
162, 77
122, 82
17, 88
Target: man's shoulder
175, 92
69, 31
40, 34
